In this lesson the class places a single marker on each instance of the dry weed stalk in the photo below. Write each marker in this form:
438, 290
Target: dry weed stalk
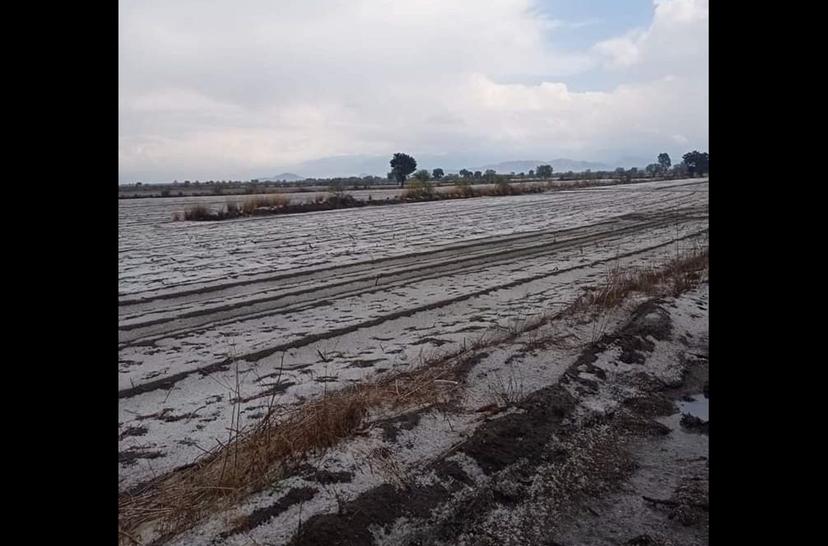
255, 456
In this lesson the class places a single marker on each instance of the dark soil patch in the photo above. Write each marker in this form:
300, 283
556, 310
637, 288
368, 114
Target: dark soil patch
648, 320
133, 431
407, 421
470, 329
519, 354
263, 515
379, 506
644, 540
324, 477
502, 441
364, 362
691, 500
437, 342
640, 426
129, 457
275, 388
695, 424
451, 471
654, 405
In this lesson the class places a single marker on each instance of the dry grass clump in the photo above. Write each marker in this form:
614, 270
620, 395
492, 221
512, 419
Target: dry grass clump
508, 391
463, 189
198, 212
419, 190
674, 277
250, 205
233, 209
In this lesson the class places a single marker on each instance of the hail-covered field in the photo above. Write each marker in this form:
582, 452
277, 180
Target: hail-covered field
221, 317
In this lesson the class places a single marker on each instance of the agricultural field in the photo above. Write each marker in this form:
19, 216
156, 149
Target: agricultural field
492, 369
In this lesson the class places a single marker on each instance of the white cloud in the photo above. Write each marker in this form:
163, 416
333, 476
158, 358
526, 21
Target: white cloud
220, 89
624, 51
676, 39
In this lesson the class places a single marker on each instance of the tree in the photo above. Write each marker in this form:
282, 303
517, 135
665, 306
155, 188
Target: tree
544, 171
422, 175
653, 169
465, 173
664, 161
531, 173
437, 174
478, 174
697, 162
402, 165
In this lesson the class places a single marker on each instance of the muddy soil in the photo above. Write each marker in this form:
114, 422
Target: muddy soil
551, 469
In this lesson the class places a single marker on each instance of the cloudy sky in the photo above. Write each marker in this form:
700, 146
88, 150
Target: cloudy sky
214, 89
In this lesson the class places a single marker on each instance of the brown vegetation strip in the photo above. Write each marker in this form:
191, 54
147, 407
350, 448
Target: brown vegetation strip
418, 192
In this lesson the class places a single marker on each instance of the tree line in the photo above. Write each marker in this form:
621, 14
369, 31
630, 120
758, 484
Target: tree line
693, 164
403, 166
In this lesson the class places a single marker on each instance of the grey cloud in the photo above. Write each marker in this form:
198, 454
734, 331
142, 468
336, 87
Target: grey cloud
229, 89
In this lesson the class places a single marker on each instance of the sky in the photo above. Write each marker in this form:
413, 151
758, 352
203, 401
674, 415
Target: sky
214, 89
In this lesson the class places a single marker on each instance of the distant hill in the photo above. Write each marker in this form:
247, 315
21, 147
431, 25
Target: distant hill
361, 165
344, 166
628, 162
564, 165
558, 166
284, 177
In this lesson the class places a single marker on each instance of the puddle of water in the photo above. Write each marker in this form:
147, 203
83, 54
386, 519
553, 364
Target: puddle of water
698, 407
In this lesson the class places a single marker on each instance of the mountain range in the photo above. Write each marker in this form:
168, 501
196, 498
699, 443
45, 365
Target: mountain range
362, 165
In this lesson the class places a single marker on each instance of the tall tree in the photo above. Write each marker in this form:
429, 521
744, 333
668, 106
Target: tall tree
544, 171
402, 165
697, 162
664, 161
422, 175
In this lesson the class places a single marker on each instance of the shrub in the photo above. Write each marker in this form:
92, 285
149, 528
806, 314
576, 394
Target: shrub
264, 201
198, 212
422, 175
502, 187
341, 200
419, 190
462, 189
